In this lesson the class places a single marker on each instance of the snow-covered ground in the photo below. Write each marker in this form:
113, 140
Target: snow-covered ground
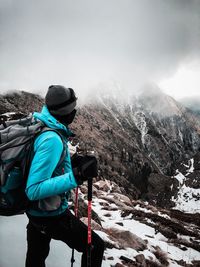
188, 199
13, 245
143, 231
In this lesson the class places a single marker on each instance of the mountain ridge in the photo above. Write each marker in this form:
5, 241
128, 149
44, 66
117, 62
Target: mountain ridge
138, 148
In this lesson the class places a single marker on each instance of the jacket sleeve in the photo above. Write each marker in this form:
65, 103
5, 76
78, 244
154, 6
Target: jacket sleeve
48, 148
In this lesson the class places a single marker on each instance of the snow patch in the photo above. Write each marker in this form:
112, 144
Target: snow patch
180, 177
140, 122
188, 200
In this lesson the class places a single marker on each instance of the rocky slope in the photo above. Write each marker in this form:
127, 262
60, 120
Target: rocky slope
140, 142
139, 234
20, 101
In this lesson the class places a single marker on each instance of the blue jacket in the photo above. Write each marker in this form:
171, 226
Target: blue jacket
48, 183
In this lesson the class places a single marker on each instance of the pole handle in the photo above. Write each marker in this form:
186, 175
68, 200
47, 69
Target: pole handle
90, 189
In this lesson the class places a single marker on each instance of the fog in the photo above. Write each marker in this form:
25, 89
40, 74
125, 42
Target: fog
84, 44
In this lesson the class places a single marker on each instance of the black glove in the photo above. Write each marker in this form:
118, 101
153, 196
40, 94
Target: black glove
84, 167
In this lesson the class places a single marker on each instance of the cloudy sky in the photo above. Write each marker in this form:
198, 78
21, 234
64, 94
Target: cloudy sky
86, 44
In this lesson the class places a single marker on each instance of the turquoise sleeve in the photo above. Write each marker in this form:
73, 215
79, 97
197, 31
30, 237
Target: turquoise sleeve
48, 148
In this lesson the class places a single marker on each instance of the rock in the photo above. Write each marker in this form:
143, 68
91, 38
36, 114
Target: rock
120, 223
125, 239
114, 199
196, 263
126, 260
141, 259
126, 200
119, 265
107, 215
110, 208
83, 189
161, 256
105, 205
102, 185
159, 189
20, 101
83, 210
94, 225
116, 189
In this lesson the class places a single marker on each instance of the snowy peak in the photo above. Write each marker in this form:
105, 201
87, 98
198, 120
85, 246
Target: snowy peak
155, 101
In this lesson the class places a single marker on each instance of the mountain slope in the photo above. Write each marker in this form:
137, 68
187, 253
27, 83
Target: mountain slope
137, 144
138, 234
140, 141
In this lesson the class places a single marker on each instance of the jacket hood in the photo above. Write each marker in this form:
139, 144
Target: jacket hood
50, 121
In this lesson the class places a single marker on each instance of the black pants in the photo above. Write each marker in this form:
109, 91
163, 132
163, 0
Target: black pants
66, 228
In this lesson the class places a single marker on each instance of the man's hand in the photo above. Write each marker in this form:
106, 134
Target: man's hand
84, 167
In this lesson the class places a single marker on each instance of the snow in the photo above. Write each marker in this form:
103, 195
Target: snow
148, 233
140, 122
8, 114
191, 168
176, 253
143, 231
180, 177
13, 245
137, 207
163, 215
72, 149
113, 114
112, 253
186, 200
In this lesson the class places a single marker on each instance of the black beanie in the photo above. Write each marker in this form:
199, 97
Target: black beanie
60, 100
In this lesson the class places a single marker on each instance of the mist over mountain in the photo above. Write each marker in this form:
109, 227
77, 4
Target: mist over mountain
84, 44
192, 103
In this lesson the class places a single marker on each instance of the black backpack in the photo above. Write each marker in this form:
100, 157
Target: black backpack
16, 147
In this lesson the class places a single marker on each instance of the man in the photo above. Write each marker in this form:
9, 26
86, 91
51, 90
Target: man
49, 180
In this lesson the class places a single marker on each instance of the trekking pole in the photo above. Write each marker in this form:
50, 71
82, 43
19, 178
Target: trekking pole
76, 215
89, 222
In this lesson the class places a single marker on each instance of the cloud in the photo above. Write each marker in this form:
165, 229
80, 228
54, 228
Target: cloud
84, 43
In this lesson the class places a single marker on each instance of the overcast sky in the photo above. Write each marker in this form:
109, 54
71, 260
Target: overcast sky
86, 44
